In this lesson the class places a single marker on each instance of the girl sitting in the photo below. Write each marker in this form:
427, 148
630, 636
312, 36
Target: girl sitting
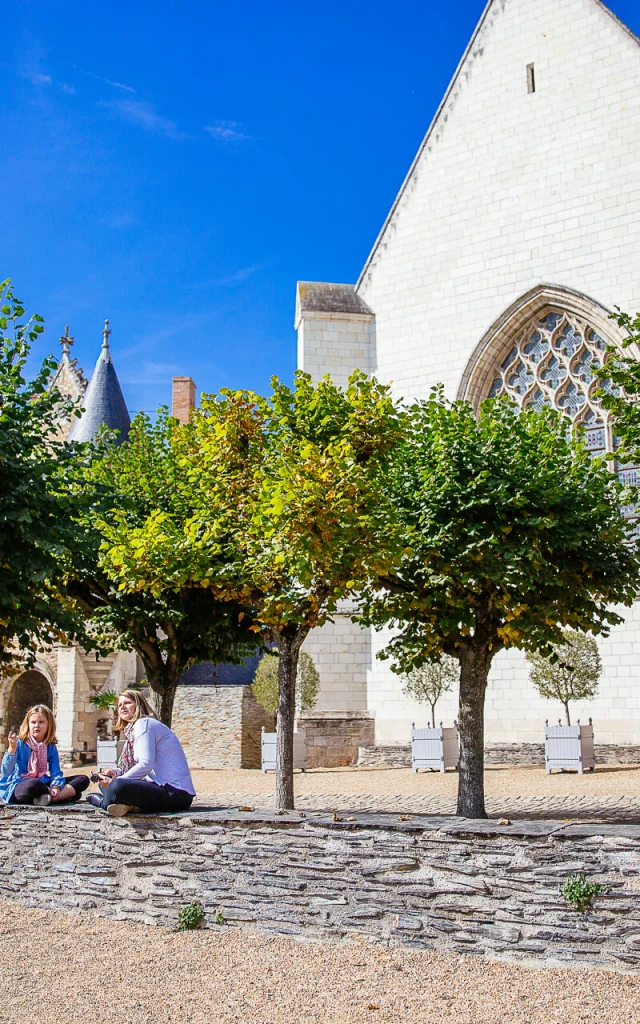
153, 774
30, 771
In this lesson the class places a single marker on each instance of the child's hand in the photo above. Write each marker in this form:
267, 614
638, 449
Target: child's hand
13, 743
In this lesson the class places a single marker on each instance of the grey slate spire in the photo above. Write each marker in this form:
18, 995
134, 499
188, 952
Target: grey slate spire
103, 401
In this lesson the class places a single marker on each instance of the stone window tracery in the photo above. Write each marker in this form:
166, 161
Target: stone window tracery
552, 363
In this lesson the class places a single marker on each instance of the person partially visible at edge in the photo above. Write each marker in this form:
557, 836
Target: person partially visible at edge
152, 773
30, 771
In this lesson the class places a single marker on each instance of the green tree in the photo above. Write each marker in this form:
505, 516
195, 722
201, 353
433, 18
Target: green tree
288, 518
620, 387
35, 530
116, 490
512, 532
427, 683
571, 673
307, 684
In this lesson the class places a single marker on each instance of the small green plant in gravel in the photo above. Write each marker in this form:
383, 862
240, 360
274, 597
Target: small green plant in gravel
579, 894
190, 916
219, 917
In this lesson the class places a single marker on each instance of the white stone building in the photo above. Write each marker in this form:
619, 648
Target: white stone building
514, 234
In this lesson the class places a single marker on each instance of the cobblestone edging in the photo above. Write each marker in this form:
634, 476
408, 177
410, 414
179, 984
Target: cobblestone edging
495, 753
447, 883
586, 807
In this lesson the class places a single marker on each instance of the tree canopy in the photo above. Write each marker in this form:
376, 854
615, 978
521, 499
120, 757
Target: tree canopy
511, 532
287, 517
571, 673
35, 520
307, 684
620, 386
117, 489
427, 682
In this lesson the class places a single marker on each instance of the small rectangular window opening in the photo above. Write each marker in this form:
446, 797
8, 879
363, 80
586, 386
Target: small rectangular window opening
531, 78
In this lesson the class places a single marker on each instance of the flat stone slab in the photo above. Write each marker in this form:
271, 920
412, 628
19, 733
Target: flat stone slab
445, 824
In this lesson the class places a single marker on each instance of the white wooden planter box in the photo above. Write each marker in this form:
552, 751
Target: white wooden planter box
436, 749
269, 751
569, 746
108, 753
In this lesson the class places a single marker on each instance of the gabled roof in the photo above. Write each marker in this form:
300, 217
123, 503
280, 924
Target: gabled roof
319, 297
432, 127
104, 403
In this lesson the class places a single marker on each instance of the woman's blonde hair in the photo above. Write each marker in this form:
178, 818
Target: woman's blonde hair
23, 732
143, 709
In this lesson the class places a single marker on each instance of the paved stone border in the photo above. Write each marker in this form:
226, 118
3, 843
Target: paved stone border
602, 808
466, 886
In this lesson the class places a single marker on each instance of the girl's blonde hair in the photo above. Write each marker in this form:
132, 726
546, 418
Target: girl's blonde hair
23, 732
143, 709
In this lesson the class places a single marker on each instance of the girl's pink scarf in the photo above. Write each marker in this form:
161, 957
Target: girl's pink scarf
38, 760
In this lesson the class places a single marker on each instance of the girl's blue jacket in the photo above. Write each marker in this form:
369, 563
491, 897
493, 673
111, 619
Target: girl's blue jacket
15, 765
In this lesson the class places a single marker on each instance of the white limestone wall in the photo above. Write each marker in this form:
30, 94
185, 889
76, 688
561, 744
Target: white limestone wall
341, 652
512, 189
72, 699
336, 344
514, 712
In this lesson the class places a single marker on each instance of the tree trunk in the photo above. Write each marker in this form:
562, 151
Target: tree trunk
288, 650
161, 699
163, 675
433, 716
474, 669
566, 711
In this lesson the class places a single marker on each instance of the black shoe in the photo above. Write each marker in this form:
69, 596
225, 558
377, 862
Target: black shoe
95, 800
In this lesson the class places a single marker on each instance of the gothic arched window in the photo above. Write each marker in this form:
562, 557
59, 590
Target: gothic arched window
551, 362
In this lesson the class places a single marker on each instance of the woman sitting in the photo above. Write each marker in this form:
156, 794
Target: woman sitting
30, 771
152, 773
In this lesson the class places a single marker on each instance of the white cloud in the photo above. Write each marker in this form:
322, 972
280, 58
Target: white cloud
227, 131
238, 276
69, 88
118, 85
107, 81
146, 116
149, 372
36, 78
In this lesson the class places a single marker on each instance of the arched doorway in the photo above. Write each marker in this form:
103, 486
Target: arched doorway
30, 687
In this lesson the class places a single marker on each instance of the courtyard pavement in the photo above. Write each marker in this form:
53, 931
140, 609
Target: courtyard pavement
610, 794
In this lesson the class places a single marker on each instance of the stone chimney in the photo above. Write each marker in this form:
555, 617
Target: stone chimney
183, 398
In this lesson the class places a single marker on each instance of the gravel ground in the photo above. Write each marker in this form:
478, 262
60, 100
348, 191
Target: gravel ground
57, 967
609, 780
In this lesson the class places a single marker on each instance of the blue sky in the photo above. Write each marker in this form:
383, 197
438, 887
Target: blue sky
177, 166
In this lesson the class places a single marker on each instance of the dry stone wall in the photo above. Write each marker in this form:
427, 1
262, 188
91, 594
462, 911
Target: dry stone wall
399, 755
333, 738
442, 883
219, 726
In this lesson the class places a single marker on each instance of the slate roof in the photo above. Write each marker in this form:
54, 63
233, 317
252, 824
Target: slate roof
318, 297
103, 401
208, 674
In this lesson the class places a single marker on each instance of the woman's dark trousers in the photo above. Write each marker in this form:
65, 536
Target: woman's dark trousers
146, 796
